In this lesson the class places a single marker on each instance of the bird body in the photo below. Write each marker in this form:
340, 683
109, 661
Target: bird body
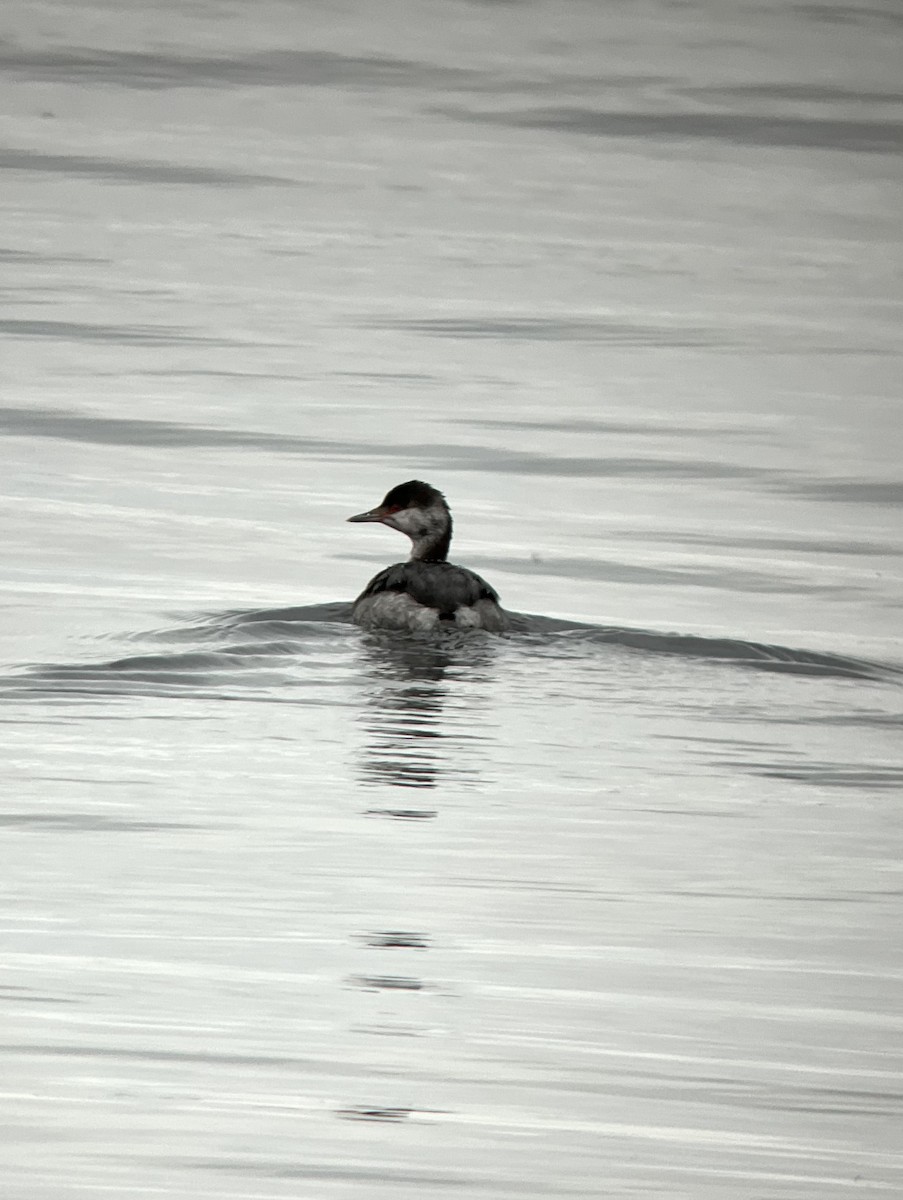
426, 592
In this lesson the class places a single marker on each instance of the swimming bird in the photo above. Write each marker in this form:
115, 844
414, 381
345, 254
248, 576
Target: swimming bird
426, 592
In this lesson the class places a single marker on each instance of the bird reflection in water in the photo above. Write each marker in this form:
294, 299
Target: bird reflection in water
419, 730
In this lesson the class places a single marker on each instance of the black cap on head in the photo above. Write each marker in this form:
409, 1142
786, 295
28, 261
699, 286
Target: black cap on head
411, 494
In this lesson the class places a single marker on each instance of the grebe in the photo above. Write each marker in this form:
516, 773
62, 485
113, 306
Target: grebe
426, 591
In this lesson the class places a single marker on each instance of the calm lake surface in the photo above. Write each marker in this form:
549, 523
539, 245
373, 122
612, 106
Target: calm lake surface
609, 906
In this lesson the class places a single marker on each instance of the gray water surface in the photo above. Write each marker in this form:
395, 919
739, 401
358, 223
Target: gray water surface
608, 906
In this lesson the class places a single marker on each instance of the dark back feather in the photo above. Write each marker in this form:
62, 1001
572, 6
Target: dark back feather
439, 585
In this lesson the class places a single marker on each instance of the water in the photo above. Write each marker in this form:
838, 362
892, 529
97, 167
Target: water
609, 906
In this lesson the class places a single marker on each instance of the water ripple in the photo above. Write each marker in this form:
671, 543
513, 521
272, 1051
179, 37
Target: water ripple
130, 170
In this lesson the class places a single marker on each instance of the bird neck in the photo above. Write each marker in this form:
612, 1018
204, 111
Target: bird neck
431, 542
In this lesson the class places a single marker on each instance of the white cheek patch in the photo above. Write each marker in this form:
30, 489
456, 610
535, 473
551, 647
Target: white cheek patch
418, 522
406, 521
